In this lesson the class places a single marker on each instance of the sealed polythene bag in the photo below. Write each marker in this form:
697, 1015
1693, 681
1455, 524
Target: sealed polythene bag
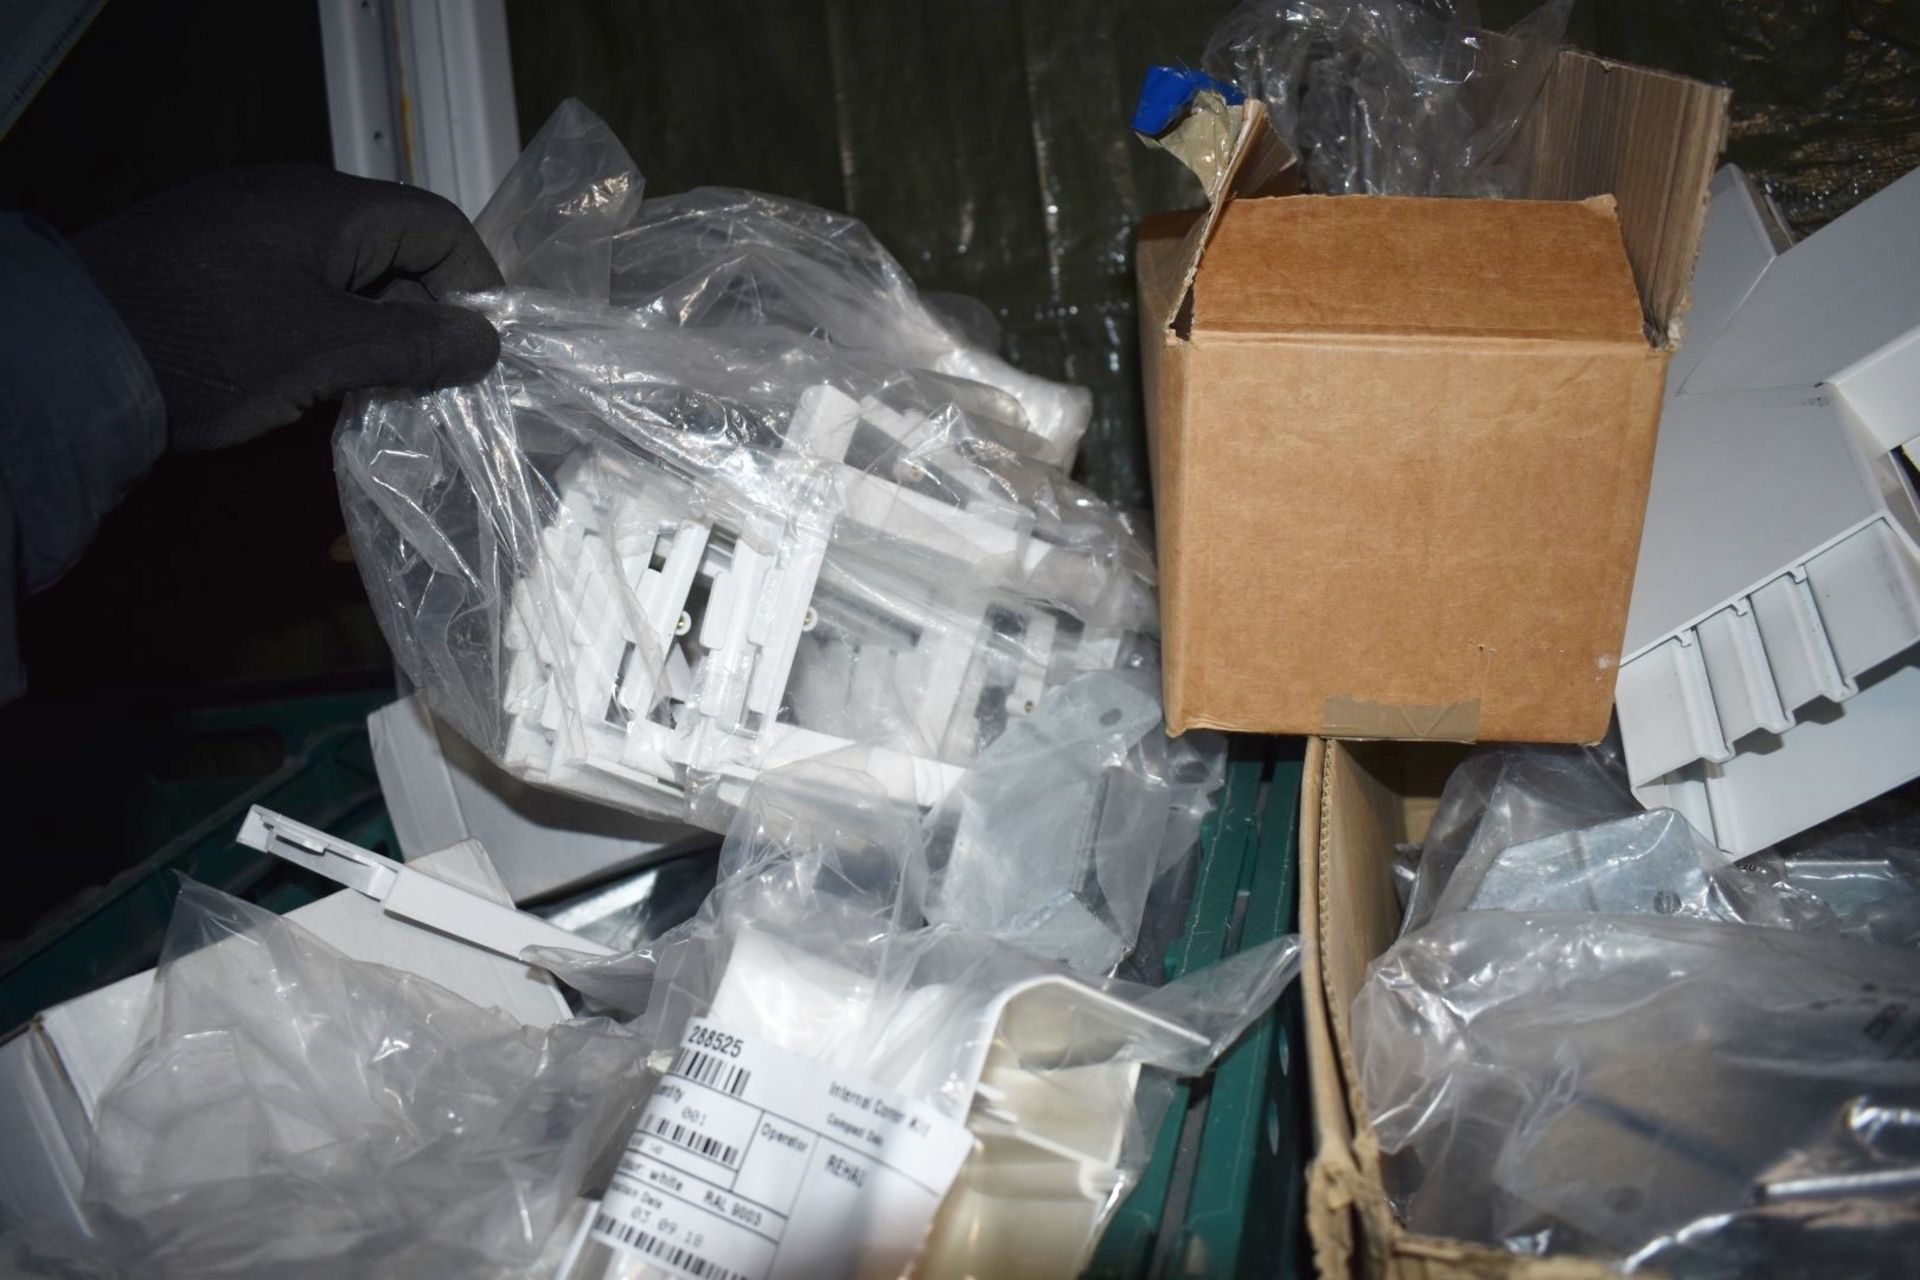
870, 1092
728, 519
1600, 1035
296, 1112
1691, 1097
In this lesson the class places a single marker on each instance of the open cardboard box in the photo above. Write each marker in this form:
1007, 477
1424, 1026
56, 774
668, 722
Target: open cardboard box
1402, 447
1358, 800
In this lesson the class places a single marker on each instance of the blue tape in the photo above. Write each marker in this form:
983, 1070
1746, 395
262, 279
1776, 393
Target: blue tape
1166, 94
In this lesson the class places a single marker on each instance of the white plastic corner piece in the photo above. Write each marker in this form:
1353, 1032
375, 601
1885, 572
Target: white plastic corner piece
1052, 1067
407, 893
1770, 676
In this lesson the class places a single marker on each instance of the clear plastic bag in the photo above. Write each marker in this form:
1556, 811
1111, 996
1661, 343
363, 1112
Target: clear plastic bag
1876, 899
627, 566
634, 909
1502, 796
295, 1112
1865, 866
551, 222
1651, 863
717, 257
1056, 840
1541, 828
1391, 97
818, 938
822, 859
569, 218
1697, 1098
1063, 823
643, 562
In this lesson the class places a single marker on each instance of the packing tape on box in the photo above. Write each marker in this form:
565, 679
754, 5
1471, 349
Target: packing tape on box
1343, 716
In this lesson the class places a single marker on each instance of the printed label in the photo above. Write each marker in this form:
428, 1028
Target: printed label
753, 1163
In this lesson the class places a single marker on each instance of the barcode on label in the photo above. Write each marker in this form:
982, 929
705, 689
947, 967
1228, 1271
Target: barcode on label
695, 1141
654, 1247
715, 1073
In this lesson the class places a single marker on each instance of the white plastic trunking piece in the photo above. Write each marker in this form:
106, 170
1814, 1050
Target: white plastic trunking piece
644, 596
1053, 1097
1769, 678
1044, 1073
406, 893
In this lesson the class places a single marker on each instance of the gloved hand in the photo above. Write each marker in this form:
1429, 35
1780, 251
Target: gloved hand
254, 293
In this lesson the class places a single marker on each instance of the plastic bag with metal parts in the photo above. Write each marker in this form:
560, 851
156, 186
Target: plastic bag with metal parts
820, 941
292, 1111
1391, 97
1692, 1097
652, 555
1501, 796
1865, 866
1651, 863
1544, 828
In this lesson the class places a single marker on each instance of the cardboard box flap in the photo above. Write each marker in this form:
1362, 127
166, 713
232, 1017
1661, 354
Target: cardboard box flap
1261, 165
1651, 140
1358, 800
1360, 808
1390, 265
1162, 264
1648, 138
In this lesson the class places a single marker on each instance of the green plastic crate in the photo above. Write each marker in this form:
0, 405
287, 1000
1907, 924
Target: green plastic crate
324, 776
1224, 1192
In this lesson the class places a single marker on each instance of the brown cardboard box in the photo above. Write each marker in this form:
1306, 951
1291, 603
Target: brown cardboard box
1358, 800
1401, 447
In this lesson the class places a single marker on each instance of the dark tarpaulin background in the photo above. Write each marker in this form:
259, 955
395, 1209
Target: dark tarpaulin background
1826, 93
986, 143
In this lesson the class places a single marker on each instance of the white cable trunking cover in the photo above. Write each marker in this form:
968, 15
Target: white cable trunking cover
1763, 687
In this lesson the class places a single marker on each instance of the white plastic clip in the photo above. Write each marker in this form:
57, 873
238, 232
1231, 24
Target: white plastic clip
409, 894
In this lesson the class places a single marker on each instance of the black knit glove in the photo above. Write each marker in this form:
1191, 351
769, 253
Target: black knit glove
252, 294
